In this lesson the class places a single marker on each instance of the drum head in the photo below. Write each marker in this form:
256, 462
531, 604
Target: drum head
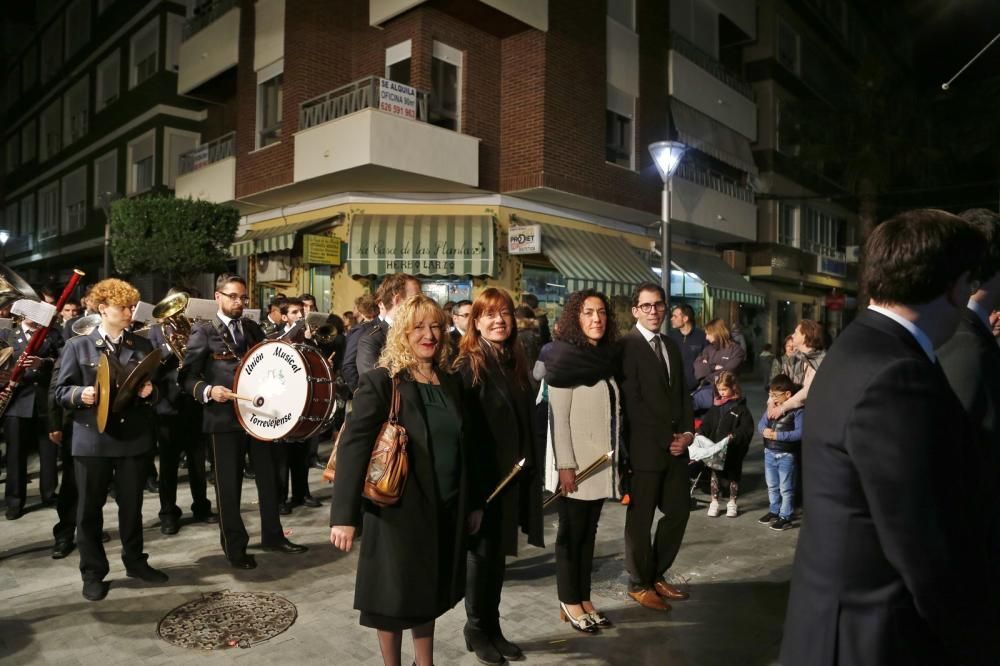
273, 384
103, 393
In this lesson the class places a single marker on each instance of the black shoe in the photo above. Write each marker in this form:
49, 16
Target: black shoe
62, 548
780, 525
509, 650
311, 502
14, 512
287, 547
285, 508
105, 537
767, 518
95, 590
152, 486
147, 573
243, 561
478, 642
170, 527
209, 518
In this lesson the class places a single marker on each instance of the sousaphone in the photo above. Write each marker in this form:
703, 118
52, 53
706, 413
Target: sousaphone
14, 288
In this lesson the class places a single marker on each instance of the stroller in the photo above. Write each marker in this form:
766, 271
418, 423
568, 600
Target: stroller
706, 454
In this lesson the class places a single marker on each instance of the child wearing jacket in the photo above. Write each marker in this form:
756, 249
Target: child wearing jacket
728, 415
782, 440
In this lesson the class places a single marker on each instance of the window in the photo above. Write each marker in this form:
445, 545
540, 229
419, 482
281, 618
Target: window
76, 111
51, 135
175, 28
52, 50
786, 128
176, 143
788, 223
618, 129
142, 163
397, 62
108, 80
823, 233
29, 142
788, 47
74, 198
29, 68
269, 102
105, 176
623, 11
77, 26
446, 80
48, 211
13, 153
145, 51
27, 227
10, 218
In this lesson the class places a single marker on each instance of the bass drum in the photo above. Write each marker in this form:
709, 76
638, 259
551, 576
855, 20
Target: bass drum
285, 391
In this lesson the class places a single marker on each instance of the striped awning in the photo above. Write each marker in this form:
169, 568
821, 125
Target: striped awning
421, 245
588, 260
721, 280
273, 239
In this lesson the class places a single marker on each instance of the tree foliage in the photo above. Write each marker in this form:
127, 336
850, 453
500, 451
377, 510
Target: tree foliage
164, 234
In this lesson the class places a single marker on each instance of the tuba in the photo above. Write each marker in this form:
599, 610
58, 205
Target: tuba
176, 327
14, 288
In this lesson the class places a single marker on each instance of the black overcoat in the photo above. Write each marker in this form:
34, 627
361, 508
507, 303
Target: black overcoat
398, 566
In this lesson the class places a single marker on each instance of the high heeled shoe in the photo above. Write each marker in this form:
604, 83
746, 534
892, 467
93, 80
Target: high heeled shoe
582, 623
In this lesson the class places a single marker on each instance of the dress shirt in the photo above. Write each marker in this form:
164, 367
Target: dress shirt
649, 335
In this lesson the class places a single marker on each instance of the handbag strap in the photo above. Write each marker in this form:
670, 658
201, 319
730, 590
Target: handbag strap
394, 408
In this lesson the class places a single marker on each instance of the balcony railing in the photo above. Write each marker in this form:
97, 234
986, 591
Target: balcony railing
206, 13
362, 94
715, 181
709, 64
208, 153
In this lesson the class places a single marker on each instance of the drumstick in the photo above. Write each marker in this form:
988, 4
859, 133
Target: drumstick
236, 396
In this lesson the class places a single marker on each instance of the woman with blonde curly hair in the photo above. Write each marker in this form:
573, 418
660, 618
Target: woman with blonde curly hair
412, 564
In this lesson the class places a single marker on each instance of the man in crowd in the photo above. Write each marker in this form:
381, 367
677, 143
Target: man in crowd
367, 313
393, 291
689, 338
70, 310
460, 318
889, 565
542, 318
272, 322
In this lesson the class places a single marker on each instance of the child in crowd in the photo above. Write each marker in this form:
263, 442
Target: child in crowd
728, 415
782, 439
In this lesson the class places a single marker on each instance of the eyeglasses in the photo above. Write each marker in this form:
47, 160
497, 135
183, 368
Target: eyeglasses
235, 297
777, 394
648, 307
463, 316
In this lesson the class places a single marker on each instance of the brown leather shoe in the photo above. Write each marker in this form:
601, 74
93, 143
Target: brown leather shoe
647, 598
668, 591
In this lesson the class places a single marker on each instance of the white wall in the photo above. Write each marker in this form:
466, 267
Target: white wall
209, 52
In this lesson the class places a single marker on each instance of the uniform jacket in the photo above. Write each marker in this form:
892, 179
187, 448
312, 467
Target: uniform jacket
211, 360
30, 399
655, 409
398, 567
130, 432
890, 562
172, 394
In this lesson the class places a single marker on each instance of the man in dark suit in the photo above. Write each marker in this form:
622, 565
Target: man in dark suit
394, 290
25, 424
366, 312
121, 452
889, 563
660, 422
460, 314
214, 351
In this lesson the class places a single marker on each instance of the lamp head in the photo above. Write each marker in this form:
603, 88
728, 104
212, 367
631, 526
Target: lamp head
667, 156
4, 236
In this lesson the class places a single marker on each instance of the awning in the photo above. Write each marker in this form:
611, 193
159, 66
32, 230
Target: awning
588, 260
421, 245
712, 137
273, 239
722, 281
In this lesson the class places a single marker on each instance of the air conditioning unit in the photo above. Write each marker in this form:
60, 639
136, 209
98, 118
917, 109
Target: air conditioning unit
274, 267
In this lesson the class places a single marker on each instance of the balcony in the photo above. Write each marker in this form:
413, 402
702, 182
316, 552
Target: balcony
209, 171
210, 45
711, 206
374, 134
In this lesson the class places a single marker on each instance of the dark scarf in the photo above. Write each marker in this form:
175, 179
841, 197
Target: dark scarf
567, 365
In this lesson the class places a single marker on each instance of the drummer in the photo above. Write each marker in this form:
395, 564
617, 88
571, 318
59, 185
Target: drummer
214, 351
121, 451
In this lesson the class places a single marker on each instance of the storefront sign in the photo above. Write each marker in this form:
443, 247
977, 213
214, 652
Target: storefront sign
440, 258
397, 99
525, 240
321, 250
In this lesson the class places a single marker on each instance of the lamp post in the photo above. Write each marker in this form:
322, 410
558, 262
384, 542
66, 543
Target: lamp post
4, 237
666, 156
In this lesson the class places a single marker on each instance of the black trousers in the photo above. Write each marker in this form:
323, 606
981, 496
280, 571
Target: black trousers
669, 491
93, 475
575, 548
176, 434
294, 463
24, 434
66, 506
485, 569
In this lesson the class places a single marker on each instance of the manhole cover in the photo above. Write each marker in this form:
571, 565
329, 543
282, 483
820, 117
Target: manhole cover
221, 620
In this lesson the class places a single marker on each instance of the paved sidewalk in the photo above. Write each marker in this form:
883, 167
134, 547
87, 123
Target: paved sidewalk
737, 572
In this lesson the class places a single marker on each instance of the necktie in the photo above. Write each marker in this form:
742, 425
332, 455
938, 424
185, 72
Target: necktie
658, 350
238, 338
112, 347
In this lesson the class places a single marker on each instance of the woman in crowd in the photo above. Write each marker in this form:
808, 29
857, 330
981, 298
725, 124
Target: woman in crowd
585, 423
721, 354
495, 375
785, 364
729, 415
807, 341
411, 568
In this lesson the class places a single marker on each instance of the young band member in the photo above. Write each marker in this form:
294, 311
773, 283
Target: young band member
121, 452
213, 353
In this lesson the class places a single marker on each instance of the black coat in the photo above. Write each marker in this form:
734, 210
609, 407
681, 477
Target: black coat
889, 564
733, 418
349, 368
211, 360
371, 344
654, 408
503, 416
31, 397
398, 567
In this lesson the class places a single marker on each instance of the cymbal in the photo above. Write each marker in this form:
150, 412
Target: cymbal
103, 393
129, 388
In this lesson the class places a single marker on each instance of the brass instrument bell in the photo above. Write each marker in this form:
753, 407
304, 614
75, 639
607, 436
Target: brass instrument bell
176, 327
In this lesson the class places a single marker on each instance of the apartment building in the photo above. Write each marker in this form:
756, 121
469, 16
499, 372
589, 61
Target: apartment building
91, 113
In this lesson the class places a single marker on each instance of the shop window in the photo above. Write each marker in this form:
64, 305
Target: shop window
77, 26
397, 62
29, 142
74, 199
105, 177
75, 108
269, 102
48, 211
51, 135
145, 53
27, 227
446, 81
142, 163
108, 80
443, 291
52, 50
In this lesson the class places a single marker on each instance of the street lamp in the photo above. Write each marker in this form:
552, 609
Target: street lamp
4, 237
666, 156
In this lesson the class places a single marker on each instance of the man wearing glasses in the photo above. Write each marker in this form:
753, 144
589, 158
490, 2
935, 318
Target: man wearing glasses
214, 351
460, 318
659, 415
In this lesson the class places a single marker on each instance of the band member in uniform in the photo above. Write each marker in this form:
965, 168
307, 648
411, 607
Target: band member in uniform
121, 451
25, 420
214, 351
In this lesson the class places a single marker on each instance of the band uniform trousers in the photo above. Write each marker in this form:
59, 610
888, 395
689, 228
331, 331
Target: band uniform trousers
66, 504
176, 434
486, 566
670, 492
24, 434
575, 548
293, 461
